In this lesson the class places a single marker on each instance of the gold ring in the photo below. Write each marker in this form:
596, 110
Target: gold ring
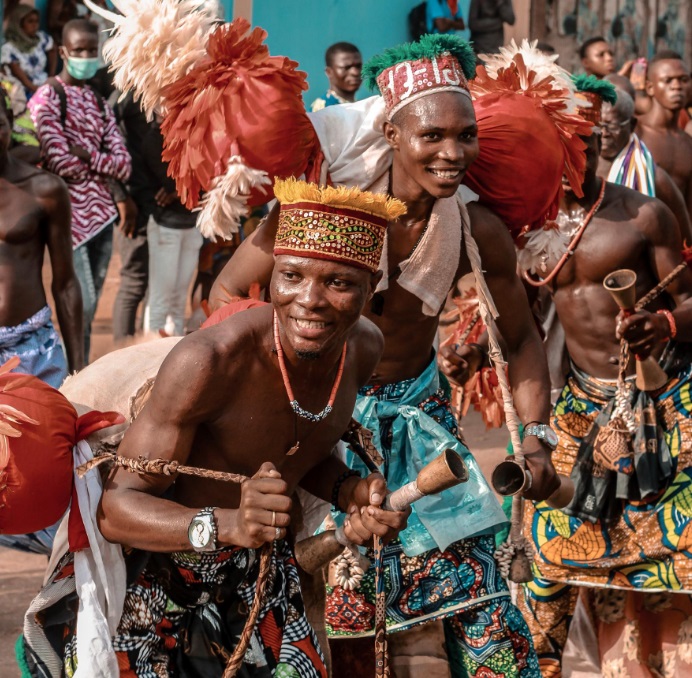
273, 518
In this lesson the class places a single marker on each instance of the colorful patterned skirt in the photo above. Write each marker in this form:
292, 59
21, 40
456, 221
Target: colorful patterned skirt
184, 613
486, 634
646, 547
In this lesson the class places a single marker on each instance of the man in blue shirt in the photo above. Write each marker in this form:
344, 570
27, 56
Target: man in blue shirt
448, 16
344, 64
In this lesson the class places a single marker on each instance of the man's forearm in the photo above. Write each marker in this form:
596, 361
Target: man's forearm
530, 380
68, 306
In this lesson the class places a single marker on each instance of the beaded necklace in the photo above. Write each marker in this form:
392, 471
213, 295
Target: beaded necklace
287, 383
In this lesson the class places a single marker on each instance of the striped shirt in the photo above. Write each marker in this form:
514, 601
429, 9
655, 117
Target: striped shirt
85, 125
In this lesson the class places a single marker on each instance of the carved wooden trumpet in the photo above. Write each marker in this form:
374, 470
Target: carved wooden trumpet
444, 472
508, 479
621, 285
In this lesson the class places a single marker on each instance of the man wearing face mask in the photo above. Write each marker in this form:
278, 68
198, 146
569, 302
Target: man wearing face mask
81, 143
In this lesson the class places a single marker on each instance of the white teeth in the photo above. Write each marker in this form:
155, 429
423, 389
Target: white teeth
445, 174
310, 324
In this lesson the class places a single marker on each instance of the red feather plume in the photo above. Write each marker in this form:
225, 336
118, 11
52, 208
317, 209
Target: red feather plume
238, 101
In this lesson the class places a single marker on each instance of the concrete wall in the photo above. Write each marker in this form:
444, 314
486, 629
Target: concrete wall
303, 30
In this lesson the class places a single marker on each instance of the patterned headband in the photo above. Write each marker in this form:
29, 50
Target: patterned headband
345, 225
407, 81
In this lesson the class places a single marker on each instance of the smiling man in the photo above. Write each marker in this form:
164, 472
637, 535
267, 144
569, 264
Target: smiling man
666, 83
266, 393
443, 566
344, 66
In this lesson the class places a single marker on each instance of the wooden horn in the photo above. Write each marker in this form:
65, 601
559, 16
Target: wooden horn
621, 285
508, 479
443, 472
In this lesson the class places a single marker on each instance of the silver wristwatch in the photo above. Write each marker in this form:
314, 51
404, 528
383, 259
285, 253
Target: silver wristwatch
203, 532
542, 432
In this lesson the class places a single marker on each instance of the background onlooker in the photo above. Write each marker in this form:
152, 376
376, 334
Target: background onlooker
597, 57
448, 16
81, 143
174, 245
131, 236
486, 21
60, 12
28, 53
344, 66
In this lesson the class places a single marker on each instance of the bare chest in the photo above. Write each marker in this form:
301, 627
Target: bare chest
20, 215
673, 152
605, 246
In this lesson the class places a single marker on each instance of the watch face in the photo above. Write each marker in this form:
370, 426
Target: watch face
199, 534
551, 437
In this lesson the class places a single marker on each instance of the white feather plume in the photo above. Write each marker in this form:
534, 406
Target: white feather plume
223, 207
541, 246
536, 61
155, 44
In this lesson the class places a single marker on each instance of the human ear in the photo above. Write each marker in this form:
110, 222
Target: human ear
649, 87
391, 134
374, 282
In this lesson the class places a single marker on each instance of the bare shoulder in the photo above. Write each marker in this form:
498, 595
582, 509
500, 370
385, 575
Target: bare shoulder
651, 216
203, 367
44, 186
369, 342
40, 182
493, 238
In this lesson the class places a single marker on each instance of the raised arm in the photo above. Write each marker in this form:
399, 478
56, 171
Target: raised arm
53, 195
528, 367
186, 394
252, 263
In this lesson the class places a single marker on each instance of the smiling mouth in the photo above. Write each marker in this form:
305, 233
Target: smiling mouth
310, 324
447, 175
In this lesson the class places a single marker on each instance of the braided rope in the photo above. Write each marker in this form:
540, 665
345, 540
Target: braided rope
238, 656
167, 467
660, 288
517, 545
164, 467
623, 394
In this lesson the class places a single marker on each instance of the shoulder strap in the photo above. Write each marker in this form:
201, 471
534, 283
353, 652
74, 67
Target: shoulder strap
99, 101
57, 87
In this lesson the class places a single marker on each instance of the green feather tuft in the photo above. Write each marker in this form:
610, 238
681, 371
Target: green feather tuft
20, 656
601, 88
427, 47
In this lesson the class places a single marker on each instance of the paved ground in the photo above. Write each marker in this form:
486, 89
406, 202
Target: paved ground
21, 574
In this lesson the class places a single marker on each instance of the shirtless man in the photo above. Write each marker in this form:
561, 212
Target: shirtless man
434, 140
35, 214
222, 401
36, 208
666, 83
608, 537
634, 165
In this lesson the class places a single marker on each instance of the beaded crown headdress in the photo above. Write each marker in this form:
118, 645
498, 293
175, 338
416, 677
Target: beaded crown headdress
345, 225
435, 63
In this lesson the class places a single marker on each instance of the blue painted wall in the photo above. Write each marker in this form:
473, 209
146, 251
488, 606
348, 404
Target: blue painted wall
303, 29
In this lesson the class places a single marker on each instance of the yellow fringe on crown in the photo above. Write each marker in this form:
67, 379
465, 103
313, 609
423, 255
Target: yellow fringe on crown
290, 191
